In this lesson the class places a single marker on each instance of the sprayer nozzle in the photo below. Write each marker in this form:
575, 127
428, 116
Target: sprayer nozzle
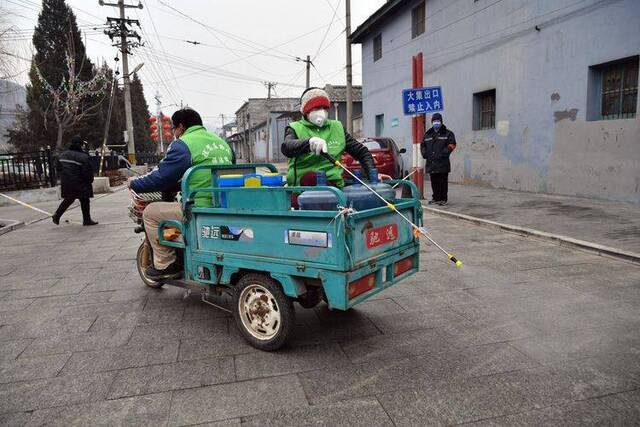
391, 206
454, 260
337, 163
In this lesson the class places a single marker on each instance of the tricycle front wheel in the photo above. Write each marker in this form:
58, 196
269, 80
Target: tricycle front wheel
263, 313
144, 258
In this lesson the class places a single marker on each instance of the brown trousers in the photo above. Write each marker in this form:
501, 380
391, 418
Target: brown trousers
163, 256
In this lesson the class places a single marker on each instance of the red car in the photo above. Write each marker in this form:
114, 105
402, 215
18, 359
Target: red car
386, 155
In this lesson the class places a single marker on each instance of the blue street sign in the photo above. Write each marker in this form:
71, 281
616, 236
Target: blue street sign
422, 100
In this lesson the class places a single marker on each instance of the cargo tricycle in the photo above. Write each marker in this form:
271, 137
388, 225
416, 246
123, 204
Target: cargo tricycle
252, 245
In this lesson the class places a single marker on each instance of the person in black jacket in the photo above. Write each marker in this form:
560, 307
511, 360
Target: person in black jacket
305, 140
437, 145
76, 176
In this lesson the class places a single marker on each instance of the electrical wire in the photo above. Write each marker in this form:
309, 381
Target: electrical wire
333, 17
157, 68
153, 24
213, 32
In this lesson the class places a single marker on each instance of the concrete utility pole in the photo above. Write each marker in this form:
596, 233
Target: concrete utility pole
349, 71
269, 86
114, 84
120, 29
309, 63
159, 121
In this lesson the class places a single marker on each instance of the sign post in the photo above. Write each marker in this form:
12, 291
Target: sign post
417, 127
417, 102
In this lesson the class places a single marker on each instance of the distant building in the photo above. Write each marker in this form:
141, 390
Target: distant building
12, 98
542, 95
229, 129
249, 141
338, 97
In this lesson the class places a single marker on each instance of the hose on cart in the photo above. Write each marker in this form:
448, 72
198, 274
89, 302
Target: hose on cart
418, 231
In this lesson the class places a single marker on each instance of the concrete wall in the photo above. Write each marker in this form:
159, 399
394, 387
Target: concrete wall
543, 141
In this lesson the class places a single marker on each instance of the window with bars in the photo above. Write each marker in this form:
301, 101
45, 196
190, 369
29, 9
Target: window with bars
377, 47
417, 20
484, 110
619, 96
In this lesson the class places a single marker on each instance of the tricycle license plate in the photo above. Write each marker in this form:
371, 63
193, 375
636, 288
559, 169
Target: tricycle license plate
381, 235
308, 238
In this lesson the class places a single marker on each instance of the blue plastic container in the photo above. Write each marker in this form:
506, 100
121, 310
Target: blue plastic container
385, 190
272, 180
318, 200
228, 181
360, 197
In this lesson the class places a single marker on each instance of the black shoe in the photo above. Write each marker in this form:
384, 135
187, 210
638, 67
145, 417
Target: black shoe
55, 219
171, 272
90, 222
442, 203
432, 201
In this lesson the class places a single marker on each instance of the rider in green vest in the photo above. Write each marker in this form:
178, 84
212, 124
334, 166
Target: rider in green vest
193, 146
306, 139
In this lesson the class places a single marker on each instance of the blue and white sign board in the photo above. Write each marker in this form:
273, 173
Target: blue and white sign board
422, 100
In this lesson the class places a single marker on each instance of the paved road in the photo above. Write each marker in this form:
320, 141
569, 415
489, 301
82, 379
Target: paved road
525, 332
613, 224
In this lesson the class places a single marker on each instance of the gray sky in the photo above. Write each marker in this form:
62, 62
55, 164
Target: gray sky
244, 43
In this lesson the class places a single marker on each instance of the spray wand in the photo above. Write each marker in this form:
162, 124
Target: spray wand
419, 231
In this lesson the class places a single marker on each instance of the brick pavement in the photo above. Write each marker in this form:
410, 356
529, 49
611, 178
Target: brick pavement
526, 332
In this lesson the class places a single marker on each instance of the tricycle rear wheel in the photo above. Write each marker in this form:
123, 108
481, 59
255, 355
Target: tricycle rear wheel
263, 313
144, 258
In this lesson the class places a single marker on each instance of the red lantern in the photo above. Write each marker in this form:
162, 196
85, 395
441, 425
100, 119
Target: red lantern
154, 135
153, 128
166, 126
153, 119
167, 136
166, 118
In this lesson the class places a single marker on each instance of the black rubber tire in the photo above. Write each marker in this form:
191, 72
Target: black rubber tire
142, 262
283, 303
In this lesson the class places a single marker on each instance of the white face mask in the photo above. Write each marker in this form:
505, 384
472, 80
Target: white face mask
318, 117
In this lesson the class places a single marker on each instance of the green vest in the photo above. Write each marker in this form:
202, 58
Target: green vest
333, 133
206, 149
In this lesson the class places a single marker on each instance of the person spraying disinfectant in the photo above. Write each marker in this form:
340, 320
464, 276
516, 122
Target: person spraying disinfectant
307, 139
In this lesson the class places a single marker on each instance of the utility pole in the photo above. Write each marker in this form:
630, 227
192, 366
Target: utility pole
349, 71
114, 83
159, 121
119, 27
309, 63
269, 86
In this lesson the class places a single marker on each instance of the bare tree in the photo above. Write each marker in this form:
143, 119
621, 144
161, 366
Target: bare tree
5, 58
74, 99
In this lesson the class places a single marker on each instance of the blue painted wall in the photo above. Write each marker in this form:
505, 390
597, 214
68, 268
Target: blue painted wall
543, 141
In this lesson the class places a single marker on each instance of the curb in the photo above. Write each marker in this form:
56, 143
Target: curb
558, 239
10, 225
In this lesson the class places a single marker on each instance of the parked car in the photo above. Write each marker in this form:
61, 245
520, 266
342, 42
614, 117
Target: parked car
386, 155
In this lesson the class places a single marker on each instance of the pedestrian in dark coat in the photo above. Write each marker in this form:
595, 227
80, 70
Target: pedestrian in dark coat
76, 175
437, 145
